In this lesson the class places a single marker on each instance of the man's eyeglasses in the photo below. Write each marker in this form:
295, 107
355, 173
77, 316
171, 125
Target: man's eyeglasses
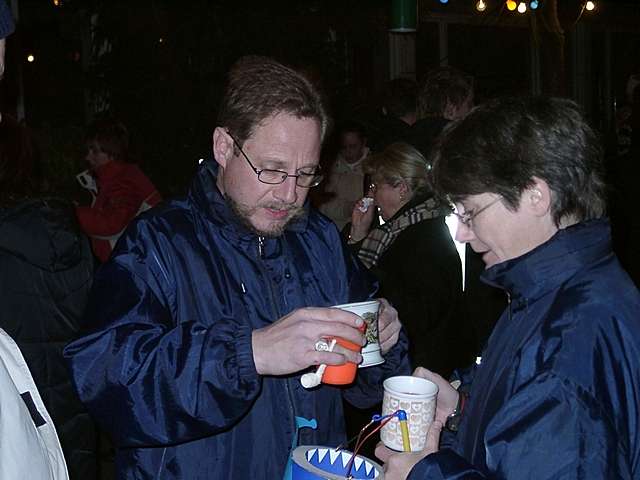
305, 177
467, 217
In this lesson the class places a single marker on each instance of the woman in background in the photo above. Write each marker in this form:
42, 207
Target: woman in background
123, 191
415, 258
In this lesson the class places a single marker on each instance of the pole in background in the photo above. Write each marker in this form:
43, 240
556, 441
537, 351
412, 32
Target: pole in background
404, 15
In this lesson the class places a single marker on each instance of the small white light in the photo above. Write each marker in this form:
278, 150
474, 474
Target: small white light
522, 7
590, 5
200, 161
31, 58
481, 6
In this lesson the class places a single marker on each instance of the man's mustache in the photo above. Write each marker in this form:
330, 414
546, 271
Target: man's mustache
280, 207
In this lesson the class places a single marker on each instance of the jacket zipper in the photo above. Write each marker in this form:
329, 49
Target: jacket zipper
261, 247
509, 305
275, 311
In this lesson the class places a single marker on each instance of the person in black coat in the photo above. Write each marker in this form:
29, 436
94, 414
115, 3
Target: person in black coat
415, 258
416, 261
46, 270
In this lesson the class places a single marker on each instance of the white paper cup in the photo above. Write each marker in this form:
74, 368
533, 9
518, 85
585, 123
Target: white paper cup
371, 354
417, 397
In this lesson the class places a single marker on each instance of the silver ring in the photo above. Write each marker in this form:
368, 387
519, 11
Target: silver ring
321, 346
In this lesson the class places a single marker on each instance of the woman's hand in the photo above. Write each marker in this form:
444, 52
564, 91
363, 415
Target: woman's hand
389, 326
361, 220
398, 465
447, 395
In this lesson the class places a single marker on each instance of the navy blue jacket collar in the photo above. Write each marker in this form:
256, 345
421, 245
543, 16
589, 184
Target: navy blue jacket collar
552, 263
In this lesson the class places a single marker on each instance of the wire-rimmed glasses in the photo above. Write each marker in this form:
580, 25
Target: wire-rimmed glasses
467, 217
305, 177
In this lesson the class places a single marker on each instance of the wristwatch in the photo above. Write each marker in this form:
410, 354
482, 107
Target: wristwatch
453, 420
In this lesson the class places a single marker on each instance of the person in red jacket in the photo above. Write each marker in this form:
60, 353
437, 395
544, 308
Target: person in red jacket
121, 190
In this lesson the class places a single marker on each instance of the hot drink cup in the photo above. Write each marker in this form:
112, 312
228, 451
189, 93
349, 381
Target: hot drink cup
346, 373
371, 353
417, 397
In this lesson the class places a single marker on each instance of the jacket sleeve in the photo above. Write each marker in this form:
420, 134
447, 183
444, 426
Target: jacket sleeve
550, 429
7, 24
465, 377
150, 381
122, 202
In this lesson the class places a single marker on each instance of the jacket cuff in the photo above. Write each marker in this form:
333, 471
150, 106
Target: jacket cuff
244, 353
444, 464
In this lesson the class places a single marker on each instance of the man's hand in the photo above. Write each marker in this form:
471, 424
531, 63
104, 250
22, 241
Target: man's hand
288, 345
447, 395
398, 465
389, 326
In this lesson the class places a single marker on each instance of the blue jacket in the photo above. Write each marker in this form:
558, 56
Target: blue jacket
167, 366
557, 395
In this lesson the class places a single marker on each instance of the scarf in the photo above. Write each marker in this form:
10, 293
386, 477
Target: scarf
382, 237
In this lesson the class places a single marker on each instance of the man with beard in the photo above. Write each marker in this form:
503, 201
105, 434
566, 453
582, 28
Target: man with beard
212, 306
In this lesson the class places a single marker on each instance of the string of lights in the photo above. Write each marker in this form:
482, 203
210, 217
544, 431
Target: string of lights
521, 6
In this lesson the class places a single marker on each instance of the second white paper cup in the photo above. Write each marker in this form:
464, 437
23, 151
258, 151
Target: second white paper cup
417, 397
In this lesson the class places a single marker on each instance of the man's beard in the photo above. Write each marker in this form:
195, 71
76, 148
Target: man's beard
244, 213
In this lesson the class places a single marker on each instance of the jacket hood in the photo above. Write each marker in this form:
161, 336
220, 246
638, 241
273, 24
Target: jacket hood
42, 232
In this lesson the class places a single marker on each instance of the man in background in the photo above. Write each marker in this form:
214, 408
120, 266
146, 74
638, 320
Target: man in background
446, 94
399, 104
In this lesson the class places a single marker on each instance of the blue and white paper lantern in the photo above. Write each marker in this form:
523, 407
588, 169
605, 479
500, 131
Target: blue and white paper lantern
323, 463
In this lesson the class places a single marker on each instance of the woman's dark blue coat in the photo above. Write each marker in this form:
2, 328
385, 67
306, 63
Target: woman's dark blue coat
557, 395
167, 366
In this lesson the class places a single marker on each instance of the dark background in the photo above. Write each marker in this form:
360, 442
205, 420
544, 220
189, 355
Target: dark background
165, 67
